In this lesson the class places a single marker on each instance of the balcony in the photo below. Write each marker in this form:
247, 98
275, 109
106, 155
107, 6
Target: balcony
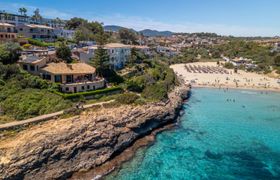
82, 86
7, 31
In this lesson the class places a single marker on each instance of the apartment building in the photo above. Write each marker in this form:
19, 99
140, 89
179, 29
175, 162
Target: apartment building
7, 32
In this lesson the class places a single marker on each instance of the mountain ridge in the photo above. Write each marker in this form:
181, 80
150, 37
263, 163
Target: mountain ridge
145, 32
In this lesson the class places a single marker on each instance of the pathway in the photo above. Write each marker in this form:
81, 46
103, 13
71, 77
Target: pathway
43, 117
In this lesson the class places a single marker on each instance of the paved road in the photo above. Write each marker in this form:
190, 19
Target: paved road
43, 117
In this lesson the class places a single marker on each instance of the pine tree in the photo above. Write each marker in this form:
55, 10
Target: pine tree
100, 60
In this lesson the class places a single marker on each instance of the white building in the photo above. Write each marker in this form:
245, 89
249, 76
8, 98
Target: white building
119, 54
17, 19
64, 33
144, 49
167, 51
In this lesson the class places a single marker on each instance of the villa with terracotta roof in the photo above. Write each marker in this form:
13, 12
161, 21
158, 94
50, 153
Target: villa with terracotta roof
7, 32
76, 77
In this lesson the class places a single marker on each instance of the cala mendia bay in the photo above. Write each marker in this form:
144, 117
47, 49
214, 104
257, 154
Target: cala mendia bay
136, 90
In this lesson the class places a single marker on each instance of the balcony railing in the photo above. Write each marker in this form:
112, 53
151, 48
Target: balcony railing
6, 31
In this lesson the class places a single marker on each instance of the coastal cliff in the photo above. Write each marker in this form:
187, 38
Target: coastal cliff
58, 148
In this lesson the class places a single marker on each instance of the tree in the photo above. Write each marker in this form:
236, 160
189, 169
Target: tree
133, 56
22, 11
100, 60
37, 16
127, 36
83, 34
64, 52
9, 53
75, 23
277, 60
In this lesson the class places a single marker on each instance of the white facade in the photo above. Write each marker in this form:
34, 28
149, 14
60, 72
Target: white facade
119, 54
166, 51
63, 33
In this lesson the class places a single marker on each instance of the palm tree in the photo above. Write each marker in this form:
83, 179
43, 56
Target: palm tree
24, 11
20, 10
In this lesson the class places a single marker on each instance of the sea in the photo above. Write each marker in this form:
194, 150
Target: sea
223, 134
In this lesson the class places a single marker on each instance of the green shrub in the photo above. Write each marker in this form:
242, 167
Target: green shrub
32, 102
99, 92
157, 91
39, 43
26, 46
127, 98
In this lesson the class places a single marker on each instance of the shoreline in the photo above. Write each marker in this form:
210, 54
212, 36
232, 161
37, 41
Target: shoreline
115, 162
237, 88
224, 78
64, 147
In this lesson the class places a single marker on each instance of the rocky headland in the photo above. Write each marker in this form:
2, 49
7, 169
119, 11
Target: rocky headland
58, 148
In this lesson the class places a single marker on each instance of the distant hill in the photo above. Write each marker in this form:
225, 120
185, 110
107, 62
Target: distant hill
146, 32
149, 32
114, 28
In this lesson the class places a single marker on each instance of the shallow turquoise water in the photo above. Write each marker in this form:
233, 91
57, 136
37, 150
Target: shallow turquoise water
215, 139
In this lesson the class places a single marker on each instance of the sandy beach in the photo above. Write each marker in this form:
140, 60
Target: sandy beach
242, 79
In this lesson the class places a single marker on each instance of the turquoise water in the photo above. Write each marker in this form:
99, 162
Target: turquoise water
215, 139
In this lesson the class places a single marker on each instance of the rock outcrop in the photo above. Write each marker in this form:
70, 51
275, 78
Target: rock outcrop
58, 148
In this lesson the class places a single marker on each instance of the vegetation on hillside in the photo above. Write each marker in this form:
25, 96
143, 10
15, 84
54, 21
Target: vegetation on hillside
23, 95
64, 52
261, 55
155, 81
9, 53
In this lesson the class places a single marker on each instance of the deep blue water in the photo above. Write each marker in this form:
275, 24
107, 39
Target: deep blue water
215, 139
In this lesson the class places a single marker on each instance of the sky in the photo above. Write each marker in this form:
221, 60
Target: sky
225, 17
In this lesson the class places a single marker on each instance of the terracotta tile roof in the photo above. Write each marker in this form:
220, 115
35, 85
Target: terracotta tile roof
63, 68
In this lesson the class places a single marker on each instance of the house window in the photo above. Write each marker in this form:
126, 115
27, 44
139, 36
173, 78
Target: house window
83, 88
88, 87
20, 29
57, 78
32, 68
47, 76
69, 79
67, 89
25, 67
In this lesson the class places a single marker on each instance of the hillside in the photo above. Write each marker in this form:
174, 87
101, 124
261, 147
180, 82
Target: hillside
149, 32
145, 32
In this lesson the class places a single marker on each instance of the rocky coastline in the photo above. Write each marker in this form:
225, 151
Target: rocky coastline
58, 148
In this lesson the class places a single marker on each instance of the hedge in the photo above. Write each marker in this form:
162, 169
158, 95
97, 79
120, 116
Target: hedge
88, 93
39, 43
